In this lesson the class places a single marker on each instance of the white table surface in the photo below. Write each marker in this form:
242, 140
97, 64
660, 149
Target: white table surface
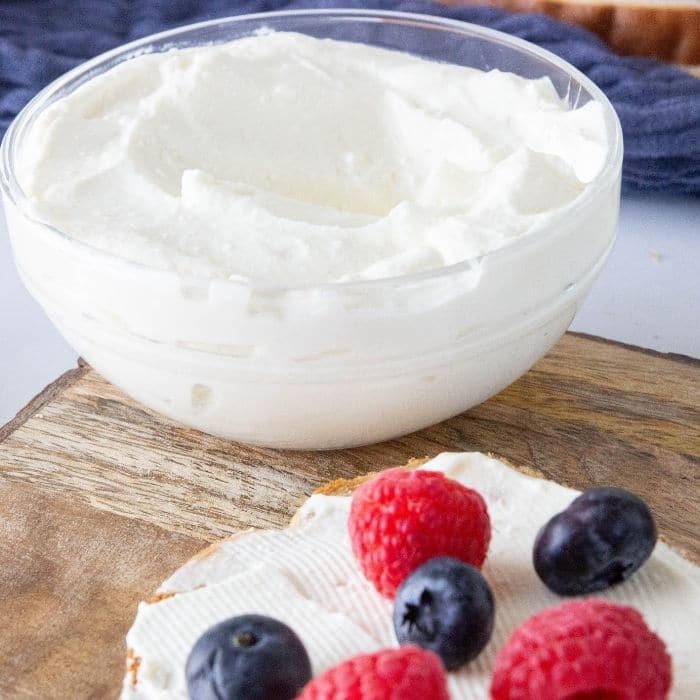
648, 295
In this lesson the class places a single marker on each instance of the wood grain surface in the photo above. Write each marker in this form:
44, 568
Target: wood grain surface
100, 498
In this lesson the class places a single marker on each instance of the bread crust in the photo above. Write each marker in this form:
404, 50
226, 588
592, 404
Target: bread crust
667, 31
345, 487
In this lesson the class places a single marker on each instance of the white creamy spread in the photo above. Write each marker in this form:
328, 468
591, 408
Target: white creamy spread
288, 160
307, 577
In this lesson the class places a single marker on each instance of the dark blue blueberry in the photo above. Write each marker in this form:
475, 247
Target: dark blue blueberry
251, 657
445, 606
601, 539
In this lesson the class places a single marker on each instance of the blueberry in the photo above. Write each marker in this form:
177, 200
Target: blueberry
445, 606
601, 539
251, 657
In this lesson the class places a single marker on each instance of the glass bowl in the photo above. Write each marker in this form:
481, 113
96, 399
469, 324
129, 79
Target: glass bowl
327, 365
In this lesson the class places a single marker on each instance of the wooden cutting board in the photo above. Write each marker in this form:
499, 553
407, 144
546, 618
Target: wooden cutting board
100, 499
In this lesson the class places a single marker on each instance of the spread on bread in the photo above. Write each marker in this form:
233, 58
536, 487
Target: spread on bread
307, 577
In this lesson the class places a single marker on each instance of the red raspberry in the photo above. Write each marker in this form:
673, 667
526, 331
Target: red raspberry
402, 518
583, 649
408, 673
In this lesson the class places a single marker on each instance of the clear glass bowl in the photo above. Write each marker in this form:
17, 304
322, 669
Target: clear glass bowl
334, 365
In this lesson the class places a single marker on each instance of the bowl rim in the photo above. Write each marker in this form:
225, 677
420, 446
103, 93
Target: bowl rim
10, 187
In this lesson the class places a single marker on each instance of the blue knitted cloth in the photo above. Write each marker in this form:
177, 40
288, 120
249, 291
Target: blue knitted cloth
658, 105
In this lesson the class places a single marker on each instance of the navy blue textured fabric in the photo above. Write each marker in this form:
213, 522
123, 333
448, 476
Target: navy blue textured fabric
658, 105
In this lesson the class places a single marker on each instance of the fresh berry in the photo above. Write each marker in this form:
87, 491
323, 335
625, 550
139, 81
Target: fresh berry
601, 539
402, 518
408, 673
583, 649
445, 606
251, 657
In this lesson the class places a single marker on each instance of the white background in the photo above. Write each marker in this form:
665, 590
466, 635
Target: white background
648, 295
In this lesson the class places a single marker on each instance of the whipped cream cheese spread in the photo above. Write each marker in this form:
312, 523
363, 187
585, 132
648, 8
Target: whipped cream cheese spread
286, 160
307, 577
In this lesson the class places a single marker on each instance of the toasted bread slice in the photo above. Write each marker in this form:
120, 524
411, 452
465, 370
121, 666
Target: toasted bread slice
665, 29
316, 586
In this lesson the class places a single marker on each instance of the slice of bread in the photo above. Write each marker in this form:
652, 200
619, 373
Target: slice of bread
665, 29
218, 582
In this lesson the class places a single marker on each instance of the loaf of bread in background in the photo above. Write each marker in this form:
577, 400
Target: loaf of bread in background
668, 30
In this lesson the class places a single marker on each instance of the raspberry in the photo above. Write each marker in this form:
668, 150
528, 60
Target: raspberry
408, 673
583, 649
402, 518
